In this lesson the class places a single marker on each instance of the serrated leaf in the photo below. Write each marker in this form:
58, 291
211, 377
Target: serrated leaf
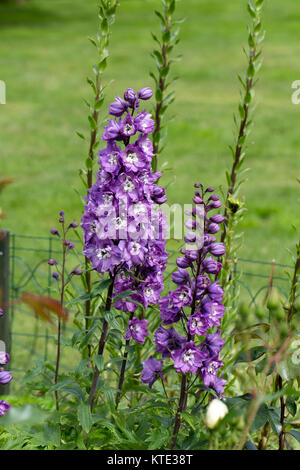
85, 416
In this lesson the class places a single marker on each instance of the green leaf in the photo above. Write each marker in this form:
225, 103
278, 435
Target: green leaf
158, 95
171, 8
261, 418
104, 26
295, 434
274, 418
251, 41
89, 163
291, 405
99, 362
92, 123
70, 387
251, 10
80, 135
159, 15
251, 70
85, 416
102, 65
259, 3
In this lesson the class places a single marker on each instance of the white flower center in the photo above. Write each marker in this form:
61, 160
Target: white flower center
132, 157
107, 198
145, 146
104, 253
148, 292
212, 369
128, 129
197, 323
214, 310
135, 248
92, 228
183, 295
128, 185
119, 222
188, 356
113, 158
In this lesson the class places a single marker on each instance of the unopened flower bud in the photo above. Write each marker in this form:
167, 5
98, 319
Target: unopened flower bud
145, 93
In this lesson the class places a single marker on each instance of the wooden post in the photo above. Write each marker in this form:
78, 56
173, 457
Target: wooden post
4, 298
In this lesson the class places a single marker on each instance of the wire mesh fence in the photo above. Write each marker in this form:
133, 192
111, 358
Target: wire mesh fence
29, 271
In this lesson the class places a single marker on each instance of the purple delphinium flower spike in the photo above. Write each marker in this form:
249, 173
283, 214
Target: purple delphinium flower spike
195, 304
124, 232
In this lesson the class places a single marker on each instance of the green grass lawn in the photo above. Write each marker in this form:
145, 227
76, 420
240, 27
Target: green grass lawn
45, 57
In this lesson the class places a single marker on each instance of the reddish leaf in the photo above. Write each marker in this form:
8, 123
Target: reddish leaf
43, 306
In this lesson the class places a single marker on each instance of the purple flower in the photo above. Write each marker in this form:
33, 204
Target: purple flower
152, 369
118, 107
213, 228
217, 218
54, 231
168, 312
55, 275
196, 300
182, 297
209, 374
73, 225
4, 357
76, 272
217, 249
215, 291
130, 96
214, 311
145, 93
202, 283
144, 123
52, 262
137, 330
188, 358
167, 340
109, 158
133, 159
127, 127
4, 407
213, 344
198, 324
5, 377
211, 266
181, 276
111, 131
104, 256
1, 312
183, 262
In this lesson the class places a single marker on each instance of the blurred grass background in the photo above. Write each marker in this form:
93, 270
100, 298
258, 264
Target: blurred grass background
45, 58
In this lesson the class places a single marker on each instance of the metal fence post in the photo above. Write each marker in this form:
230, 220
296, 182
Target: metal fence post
4, 297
